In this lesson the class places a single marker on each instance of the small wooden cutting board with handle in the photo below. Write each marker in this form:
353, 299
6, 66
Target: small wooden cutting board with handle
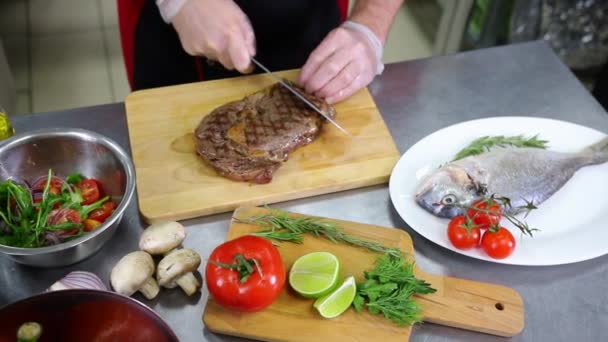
459, 303
174, 183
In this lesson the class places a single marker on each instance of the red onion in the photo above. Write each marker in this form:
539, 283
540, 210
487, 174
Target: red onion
78, 280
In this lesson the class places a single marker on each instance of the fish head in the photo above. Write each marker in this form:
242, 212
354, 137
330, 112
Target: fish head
446, 191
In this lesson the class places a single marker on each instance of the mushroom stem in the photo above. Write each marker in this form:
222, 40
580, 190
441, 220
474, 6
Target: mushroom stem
29, 332
188, 283
150, 288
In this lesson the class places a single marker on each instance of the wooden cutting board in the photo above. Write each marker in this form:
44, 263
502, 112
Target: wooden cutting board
173, 183
460, 303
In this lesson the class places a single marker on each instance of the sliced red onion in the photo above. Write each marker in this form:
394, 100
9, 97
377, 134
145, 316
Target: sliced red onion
79, 280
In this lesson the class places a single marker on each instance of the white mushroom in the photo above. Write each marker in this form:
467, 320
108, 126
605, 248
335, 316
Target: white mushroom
134, 272
176, 269
162, 237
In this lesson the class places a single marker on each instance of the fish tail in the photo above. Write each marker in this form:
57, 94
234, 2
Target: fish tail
598, 152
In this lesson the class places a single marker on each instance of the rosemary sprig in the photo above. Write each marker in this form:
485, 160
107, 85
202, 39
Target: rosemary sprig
484, 144
388, 289
282, 227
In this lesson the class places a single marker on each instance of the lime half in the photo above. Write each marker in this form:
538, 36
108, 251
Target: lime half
315, 274
335, 303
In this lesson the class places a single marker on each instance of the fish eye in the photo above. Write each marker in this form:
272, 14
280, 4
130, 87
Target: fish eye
448, 199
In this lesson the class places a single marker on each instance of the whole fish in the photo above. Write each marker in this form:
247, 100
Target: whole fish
520, 174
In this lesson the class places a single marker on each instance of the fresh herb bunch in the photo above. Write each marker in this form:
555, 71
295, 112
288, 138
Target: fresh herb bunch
24, 222
389, 288
282, 227
484, 144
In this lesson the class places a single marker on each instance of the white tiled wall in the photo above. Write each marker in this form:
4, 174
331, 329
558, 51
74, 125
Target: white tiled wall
67, 53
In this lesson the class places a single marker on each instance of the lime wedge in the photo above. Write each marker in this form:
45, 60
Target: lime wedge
335, 303
315, 274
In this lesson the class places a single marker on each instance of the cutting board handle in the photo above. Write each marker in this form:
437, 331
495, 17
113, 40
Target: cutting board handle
470, 305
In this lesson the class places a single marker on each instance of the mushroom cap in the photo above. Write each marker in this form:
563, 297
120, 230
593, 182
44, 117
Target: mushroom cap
175, 265
161, 237
131, 272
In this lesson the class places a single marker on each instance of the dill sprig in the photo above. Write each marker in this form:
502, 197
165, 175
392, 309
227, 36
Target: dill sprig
484, 144
282, 227
388, 289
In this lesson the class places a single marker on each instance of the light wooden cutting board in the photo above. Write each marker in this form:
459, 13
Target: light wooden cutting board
465, 304
174, 183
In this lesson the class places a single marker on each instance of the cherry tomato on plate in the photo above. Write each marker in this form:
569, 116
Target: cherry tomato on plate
102, 213
498, 244
245, 274
89, 190
485, 213
462, 233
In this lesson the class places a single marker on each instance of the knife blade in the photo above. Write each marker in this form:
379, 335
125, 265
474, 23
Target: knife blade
300, 96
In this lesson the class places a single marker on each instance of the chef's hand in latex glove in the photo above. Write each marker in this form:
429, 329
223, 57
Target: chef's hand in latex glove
347, 60
217, 29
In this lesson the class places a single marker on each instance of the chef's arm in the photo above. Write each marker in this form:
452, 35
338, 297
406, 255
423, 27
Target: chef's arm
377, 15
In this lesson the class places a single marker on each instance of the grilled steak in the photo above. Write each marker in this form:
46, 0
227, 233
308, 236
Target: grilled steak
249, 139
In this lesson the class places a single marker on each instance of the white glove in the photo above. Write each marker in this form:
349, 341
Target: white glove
216, 29
347, 60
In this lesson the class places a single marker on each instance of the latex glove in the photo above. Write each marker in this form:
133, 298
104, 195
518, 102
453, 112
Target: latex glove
347, 60
217, 29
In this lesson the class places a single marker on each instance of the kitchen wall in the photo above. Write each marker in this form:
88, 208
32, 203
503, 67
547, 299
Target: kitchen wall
66, 53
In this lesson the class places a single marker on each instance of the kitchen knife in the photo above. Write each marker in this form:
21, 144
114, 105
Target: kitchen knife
300, 96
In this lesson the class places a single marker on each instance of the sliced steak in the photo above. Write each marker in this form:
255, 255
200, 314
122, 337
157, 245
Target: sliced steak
249, 139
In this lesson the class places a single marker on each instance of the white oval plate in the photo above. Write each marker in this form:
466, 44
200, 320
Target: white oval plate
573, 222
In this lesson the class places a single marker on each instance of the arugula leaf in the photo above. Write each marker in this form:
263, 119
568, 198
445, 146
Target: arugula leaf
74, 178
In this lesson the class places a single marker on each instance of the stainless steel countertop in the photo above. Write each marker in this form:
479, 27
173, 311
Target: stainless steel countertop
562, 303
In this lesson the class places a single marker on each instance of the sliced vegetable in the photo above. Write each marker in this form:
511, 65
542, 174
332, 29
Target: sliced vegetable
315, 274
89, 191
78, 280
29, 332
90, 225
245, 274
338, 301
102, 213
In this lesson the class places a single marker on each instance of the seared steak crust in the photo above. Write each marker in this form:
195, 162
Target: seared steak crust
247, 140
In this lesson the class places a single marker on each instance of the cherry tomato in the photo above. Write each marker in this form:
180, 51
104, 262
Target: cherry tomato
232, 286
54, 188
485, 213
90, 225
499, 244
89, 190
462, 234
102, 213
64, 215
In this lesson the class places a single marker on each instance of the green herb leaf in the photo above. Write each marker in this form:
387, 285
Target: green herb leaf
74, 178
486, 143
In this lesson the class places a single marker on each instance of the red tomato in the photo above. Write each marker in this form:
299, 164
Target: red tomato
462, 234
228, 286
485, 213
102, 213
90, 191
63, 215
55, 186
90, 225
499, 244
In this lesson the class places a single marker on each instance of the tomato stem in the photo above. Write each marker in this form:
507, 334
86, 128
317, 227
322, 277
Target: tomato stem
243, 266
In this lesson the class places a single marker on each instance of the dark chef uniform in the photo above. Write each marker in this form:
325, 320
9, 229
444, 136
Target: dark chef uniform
286, 32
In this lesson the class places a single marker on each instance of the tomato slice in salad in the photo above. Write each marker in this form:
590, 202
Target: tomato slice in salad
102, 213
54, 188
89, 190
90, 225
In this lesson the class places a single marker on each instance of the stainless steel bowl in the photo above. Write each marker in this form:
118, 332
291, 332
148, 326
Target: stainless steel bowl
66, 151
